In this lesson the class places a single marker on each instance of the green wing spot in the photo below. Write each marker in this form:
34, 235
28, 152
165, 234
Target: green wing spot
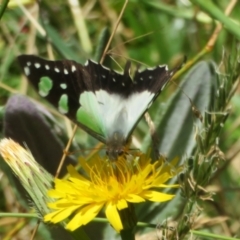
44, 86
63, 86
63, 104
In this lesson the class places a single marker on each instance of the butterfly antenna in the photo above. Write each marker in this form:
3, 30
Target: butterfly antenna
126, 71
130, 40
195, 110
66, 150
128, 58
94, 150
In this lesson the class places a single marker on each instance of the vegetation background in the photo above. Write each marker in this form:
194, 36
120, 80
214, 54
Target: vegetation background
150, 33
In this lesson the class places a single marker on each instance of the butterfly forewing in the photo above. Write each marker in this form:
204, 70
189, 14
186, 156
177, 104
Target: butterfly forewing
61, 74
66, 80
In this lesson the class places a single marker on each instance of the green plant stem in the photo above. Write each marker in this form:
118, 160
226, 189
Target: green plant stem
216, 13
146, 225
212, 236
19, 215
3, 7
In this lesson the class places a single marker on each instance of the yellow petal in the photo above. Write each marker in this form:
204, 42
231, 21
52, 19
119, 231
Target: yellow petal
60, 215
161, 179
84, 216
156, 196
62, 186
113, 217
134, 198
73, 172
63, 203
55, 194
48, 217
121, 204
91, 212
85, 165
58, 204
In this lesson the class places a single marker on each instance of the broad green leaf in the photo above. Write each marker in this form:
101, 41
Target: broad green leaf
175, 127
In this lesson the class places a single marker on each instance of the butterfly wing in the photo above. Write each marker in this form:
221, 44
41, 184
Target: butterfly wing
103, 102
62, 83
120, 101
147, 86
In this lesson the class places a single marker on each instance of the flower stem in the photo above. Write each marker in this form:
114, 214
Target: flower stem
129, 221
127, 234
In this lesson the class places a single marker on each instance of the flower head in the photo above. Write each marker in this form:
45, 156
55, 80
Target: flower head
35, 179
113, 186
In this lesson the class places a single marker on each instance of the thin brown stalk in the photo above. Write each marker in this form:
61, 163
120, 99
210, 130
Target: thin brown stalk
66, 151
114, 31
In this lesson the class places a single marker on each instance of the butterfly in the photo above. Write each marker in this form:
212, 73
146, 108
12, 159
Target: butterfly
106, 104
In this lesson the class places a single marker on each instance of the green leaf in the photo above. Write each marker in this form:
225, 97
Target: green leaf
175, 129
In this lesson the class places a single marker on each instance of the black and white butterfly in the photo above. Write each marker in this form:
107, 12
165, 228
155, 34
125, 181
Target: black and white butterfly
103, 102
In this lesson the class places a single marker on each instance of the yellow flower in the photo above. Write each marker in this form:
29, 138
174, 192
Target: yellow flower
113, 185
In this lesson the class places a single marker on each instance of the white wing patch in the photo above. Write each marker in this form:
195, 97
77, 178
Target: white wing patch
114, 113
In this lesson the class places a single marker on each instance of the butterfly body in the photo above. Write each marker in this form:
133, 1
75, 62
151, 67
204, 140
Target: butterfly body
103, 102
